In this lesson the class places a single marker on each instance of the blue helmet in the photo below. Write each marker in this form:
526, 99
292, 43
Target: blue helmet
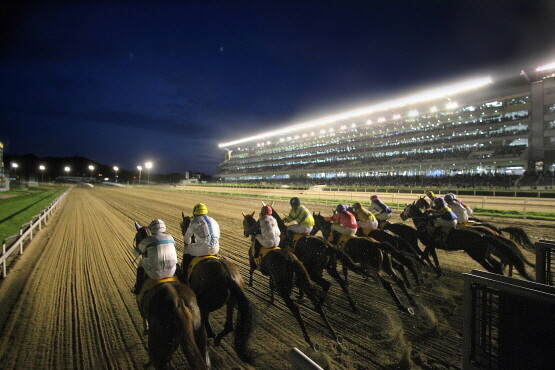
341, 208
439, 202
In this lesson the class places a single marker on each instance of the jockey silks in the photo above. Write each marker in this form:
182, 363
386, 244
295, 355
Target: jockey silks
159, 256
207, 236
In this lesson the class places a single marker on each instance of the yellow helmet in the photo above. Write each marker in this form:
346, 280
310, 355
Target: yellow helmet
430, 194
200, 209
357, 206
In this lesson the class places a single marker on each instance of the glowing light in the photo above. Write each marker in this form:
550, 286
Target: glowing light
396, 116
381, 119
148, 165
413, 113
546, 67
422, 96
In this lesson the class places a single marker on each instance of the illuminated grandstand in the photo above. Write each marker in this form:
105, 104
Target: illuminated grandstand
478, 126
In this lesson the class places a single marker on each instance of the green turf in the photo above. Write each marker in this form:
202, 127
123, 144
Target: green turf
23, 206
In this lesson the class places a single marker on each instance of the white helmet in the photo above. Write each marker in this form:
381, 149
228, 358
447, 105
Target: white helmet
157, 226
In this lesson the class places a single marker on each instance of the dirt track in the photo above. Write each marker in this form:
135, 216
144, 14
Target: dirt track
76, 311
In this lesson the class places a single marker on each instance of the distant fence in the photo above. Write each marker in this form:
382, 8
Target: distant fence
17, 242
507, 323
545, 262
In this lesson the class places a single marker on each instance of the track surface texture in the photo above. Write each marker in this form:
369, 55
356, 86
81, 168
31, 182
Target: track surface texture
71, 306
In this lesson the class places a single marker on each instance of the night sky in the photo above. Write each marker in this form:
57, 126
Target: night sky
125, 82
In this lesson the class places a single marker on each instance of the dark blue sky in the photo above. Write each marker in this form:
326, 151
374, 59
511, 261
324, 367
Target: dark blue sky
125, 82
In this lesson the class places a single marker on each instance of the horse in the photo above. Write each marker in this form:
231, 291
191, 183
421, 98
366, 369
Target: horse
480, 247
285, 271
173, 318
373, 258
317, 255
516, 234
217, 282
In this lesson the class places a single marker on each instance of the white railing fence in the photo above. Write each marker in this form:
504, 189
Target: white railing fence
26, 233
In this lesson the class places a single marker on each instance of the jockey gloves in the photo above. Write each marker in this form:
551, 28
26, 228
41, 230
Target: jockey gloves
200, 209
157, 226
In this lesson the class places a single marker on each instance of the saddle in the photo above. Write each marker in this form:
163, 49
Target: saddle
195, 261
343, 239
146, 293
293, 244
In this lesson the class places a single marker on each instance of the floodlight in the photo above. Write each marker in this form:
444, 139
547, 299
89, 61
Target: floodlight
546, 67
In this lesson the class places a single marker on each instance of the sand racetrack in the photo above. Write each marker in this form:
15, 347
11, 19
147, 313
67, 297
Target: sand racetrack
66, 303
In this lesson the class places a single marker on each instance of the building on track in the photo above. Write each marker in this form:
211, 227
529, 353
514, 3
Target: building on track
480, 126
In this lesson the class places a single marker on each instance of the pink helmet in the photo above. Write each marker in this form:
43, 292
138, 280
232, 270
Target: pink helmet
374, 197
266, 210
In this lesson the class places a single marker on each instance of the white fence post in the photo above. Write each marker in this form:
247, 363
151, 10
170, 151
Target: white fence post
4, 264
525, 204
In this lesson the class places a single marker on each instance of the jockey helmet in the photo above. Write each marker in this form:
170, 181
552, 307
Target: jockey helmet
157, 226
449, 197
430, 194
266, 210
200, 209
374, 197
439, 203
295, 202
341, 208
357, 206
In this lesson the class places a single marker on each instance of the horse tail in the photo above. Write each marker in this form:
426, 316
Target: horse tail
302, 278
518, 235
510, 253
245, 321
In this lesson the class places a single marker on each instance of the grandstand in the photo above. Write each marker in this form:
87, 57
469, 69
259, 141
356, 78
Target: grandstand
480, 126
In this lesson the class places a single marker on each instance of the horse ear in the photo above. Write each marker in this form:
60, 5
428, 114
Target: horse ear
244, 215
263, 204
252, 214
137, 226
272, 205
183, 215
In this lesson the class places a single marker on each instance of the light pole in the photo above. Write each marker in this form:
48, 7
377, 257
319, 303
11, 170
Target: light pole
42, 168
116, 169
67, 169
140, 168
15, 166
148, 166
91, 167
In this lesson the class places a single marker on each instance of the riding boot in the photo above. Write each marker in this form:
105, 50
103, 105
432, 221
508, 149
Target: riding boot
187, 259
335, 237
179, 273
141, 277
286, 242
257, 247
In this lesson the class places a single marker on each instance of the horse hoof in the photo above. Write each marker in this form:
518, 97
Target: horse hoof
315, 347
410, 311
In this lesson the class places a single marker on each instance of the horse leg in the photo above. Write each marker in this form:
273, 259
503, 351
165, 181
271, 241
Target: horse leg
388, 268
252, 268
206, 323
401, 269
296, 313
387, 286
344, 286
318, 307
431, 250
228, 326
271, 282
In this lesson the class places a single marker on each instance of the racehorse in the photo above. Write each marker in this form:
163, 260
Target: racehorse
373, 258
285, 271
173, 317
480, 247
516, 234
317, 255
217, 282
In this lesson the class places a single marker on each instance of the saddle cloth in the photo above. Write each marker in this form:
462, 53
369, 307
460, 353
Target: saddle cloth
195, 261
144, 296
263, 252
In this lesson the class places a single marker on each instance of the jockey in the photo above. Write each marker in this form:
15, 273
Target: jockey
266, 230
443, 219
431, 195
379, 209
159, 256
365, 219
206, 232
344, 222
468, 209
303, 218
457, 207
